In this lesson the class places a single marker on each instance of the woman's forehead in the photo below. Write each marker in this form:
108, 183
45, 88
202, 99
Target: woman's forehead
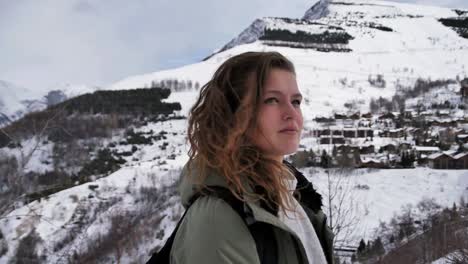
281, 81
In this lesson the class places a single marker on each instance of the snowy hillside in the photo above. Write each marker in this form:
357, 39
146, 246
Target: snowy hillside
402, 42
143, 193
338, 48
15, 101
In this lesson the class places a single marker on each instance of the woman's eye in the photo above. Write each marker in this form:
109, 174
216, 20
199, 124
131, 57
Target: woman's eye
271, 100
296, 102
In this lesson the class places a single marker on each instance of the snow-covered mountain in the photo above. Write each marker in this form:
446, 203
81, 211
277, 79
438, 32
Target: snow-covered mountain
338, 45
338, 48
15, 101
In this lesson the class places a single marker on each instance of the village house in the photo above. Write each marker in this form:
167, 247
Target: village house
327, 139
389, 148
448, 161
462, 138
441, 161
393, 133
358, 132
443, 123
372, 163
464, 88
423, 152
388, 115
347, 149
461, 161
344, 132
404, 146
340, 116
369, 149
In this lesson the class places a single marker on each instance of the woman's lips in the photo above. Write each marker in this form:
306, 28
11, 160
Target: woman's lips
289, 131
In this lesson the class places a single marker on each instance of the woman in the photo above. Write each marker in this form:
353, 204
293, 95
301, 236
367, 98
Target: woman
247, 118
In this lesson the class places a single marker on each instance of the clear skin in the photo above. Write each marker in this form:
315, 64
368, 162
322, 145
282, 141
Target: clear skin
280, 120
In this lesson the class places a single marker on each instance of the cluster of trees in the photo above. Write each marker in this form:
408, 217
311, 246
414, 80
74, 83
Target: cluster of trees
368, 250
76, 118
303, 158
460, 25
143, 101
75, 134
412, 238
176, 85
407, 159
397, 102
446, 105
300, 36
422, 86
377, 81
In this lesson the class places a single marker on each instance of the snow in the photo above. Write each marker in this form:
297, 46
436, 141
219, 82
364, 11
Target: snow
327, 80
390, 190
424, 148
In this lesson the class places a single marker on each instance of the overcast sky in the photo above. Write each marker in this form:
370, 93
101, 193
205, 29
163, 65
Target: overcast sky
47, 43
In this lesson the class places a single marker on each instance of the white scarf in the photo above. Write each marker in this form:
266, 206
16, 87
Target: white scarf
298, 222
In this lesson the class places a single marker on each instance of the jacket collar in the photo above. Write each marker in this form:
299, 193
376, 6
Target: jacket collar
308, 195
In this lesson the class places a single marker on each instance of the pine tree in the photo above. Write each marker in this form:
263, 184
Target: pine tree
362, 246
377, 247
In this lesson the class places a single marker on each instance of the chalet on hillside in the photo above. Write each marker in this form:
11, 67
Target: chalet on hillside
462, 138
340, 116
425, 151
443, 113
441, 161
464, 88
324, 139
461, 161
392, 133
388, 115
404, 146
358, 132
373, 163
442, 123
347, 149
367, 149
344, 132
390, 148
448, 161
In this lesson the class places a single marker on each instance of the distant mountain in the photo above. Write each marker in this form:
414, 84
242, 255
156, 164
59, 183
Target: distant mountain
16, 101
339, 47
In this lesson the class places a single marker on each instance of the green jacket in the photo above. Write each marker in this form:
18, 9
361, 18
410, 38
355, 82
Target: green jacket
212, 232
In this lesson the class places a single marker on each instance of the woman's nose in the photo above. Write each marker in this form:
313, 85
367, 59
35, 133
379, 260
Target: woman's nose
289, 111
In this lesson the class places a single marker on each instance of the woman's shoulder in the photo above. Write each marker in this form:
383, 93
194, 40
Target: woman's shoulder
214, 214
209, 232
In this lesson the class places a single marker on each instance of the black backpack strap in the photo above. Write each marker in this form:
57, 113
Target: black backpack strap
164, 254
261, 232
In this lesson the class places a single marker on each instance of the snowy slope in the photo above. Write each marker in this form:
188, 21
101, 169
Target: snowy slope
15, 101
418, 46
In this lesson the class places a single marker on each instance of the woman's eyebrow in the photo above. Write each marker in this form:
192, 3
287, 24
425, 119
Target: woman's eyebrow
281, 93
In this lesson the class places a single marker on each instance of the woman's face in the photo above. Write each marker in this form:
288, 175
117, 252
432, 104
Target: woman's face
279, 117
